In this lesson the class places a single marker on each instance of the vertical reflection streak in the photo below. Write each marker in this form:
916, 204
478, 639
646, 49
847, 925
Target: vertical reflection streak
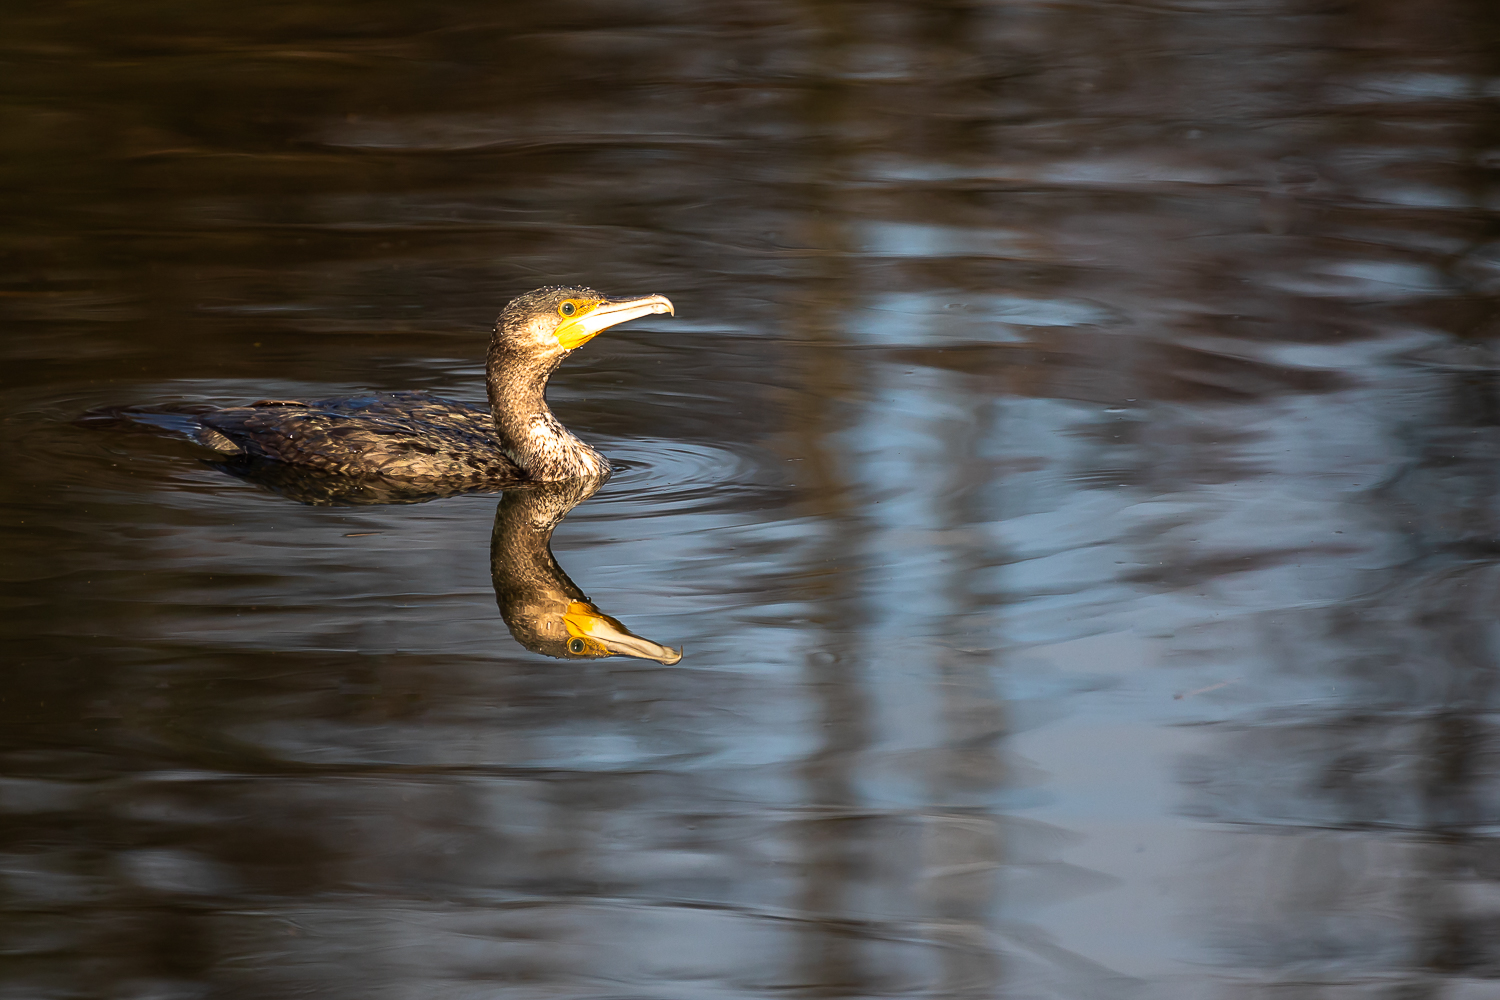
963, 843
829, 963
960, 834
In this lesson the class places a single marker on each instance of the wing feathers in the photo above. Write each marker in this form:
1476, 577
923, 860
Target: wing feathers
405, 436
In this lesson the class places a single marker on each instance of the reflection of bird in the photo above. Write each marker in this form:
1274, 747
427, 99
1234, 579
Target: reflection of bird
544, 610
412, 438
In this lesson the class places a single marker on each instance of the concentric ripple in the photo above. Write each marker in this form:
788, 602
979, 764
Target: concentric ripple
655, 476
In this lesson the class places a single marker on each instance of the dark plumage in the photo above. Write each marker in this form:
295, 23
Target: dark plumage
424, 442
405, 436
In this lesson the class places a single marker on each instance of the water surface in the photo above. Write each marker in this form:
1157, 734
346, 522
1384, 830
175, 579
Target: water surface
1070, 473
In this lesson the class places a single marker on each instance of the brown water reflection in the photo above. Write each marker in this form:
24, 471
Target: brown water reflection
1072, 476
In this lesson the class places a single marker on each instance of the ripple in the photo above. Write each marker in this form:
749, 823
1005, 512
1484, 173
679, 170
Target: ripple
655, 476
47, 449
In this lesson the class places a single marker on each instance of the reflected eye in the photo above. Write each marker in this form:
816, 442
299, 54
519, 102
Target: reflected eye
568, 309
575, 645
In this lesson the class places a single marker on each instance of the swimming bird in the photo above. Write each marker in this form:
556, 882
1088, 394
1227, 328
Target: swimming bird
424, 441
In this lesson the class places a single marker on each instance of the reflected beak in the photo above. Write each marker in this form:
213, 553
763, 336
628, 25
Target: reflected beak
574, 333
584, 621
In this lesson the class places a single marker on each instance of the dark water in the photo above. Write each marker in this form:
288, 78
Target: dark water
1071, 473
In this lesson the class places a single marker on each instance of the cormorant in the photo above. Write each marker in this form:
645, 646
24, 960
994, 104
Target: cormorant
424, 443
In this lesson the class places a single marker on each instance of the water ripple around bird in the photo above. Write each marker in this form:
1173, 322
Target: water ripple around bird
659, 476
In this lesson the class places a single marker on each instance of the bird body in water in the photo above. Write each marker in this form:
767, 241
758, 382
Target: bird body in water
423, 440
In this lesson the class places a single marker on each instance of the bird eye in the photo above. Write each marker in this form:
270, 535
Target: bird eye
575, 645
567, 308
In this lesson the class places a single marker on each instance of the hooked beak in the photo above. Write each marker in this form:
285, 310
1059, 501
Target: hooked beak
585, 622
574, 333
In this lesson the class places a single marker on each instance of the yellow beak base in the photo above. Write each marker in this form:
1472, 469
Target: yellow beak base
574, 332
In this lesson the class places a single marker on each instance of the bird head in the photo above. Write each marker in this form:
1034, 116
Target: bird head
558, 319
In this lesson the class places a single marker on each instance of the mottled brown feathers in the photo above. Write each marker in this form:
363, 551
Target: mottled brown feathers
408, 436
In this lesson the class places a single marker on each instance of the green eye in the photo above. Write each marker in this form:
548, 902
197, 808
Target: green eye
567, 309
575, 645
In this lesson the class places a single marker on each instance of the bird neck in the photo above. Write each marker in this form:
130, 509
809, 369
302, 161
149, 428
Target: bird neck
529, 434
